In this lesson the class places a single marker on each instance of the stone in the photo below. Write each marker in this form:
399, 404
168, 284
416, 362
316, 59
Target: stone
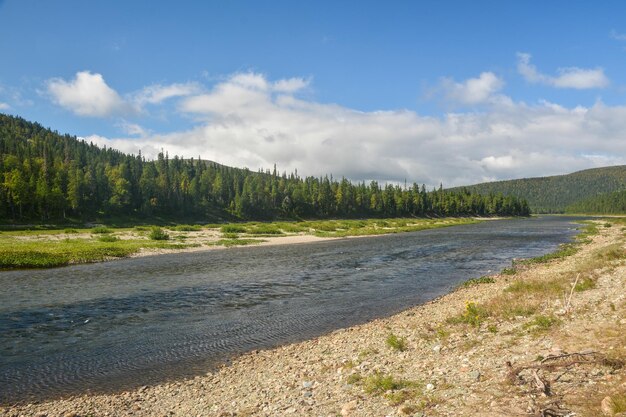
607, 405
430, 387
348, 408
307, 384
437, 348
475, 375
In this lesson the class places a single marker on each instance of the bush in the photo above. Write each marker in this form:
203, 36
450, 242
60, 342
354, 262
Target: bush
156, 233
101, 230
70, 231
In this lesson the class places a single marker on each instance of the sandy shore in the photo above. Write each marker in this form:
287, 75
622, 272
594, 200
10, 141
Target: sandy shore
517, 365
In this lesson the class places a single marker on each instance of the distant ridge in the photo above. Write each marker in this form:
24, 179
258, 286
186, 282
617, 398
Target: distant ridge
556, 193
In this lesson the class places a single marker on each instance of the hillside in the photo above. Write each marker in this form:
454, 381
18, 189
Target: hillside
48, 176
609, 203
553, 194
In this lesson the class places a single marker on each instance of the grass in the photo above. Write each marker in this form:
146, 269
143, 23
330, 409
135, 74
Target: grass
379, 383
473, 315
486, 279
101, 229
542, 323
237, 242
29, 254
396, 343
18, 250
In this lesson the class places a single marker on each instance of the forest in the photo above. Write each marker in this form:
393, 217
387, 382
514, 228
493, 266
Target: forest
607, 203
48, 176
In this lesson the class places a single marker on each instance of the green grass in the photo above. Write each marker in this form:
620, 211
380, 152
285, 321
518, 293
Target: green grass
233, 228
396, 343
237, 242
486, 279
186, 228
48, 252
379, 383
28, 254
108, 238
542, 323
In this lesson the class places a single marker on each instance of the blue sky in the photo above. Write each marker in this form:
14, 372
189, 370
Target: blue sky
429, 91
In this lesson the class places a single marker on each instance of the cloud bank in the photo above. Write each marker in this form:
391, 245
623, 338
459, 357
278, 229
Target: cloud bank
248, 120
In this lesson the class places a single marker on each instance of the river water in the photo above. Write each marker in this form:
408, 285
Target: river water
119, 324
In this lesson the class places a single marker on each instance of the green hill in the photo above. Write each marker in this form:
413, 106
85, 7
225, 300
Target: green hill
554, 194
609, 203
48, 176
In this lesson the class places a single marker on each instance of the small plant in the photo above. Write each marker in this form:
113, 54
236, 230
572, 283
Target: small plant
108, 238
379, 383
542, 323
396, 343
70, 231
473, 315
607, 225
585, 284
156, 233
140, 229
354, 378
101, 230
509, 271
492, 328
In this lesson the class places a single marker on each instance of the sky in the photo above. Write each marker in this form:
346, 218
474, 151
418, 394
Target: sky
451, 92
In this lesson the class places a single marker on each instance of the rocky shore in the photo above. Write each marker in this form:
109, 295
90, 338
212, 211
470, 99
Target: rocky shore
544, 339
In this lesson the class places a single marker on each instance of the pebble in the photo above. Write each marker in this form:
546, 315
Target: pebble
430, 387
437, 348
307, 384
475, 375
348, 408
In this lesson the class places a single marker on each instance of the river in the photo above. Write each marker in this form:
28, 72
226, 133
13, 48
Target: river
119, 324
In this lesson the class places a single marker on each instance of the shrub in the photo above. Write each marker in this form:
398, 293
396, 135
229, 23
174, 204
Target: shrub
156, 233
233, 228
396, 343
70, 231
101, 229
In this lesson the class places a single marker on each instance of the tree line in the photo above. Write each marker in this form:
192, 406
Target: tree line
45, 175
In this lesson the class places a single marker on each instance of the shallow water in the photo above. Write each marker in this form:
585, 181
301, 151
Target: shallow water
132, 322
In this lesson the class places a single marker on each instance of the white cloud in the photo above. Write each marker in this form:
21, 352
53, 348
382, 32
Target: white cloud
618, 36
87, 95
474, 90
4, 106
290, 85
157, 93
571, 77
132, 128
246, 121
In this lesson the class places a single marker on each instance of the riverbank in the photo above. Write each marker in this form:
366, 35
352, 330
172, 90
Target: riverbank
58, 247
544, 335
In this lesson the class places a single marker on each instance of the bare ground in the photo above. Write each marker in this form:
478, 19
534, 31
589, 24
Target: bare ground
564, 358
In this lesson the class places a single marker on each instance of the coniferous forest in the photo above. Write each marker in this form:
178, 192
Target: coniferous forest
48, 176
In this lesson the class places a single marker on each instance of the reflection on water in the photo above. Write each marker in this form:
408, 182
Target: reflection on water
136, 321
